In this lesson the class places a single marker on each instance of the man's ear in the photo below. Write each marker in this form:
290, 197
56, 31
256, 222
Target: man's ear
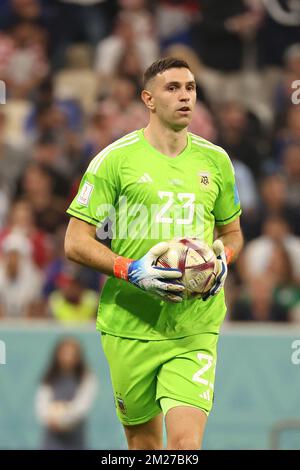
147, 97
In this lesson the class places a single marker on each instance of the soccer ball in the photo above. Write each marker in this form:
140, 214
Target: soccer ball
197, 262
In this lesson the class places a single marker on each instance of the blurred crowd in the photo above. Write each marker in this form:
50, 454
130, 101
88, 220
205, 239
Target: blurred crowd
73, 69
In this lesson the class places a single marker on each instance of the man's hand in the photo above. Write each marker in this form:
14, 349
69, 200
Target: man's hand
222, 270
144, 274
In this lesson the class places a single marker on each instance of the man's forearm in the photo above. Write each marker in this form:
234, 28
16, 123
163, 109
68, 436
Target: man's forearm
88, 251
233, 241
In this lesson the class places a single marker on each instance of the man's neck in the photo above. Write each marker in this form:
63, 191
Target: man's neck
166, 141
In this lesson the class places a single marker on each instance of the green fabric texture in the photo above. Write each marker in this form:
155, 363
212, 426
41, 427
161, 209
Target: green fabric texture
149, 197
145, 372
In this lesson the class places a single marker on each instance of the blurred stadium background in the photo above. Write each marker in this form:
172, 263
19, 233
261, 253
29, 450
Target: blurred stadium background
72, 70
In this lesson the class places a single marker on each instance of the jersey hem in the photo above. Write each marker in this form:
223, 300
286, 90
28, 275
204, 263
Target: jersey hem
154, 338
229, 219
81, 216
174, 396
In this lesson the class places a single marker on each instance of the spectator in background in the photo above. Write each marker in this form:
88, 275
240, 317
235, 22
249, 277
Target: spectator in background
72, 302
283, 90
12, 160
279, 30
273, 202
4, 205
28, 63
49, 120
288, 134
286, 292
130, 67
21, 220
257, 255
219, 38
291, 168
99, 131
115, 115
37, 186
20, 280
71, 116
49, 153
237, 135
59, 265
139, 16
256, 303
57, 118
36, 12
6, 48
271, 293
202, 123
124, 36
87, 20
174, 21
52, 125
65, 397
247, 188
131, 113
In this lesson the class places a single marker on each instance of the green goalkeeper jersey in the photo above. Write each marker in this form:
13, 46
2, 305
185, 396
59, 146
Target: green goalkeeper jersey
137, 196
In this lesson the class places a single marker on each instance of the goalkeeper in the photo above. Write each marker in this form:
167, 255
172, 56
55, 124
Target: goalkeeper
146, 188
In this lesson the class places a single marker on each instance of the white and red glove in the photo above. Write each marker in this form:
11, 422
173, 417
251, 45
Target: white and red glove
143, 273
224, 256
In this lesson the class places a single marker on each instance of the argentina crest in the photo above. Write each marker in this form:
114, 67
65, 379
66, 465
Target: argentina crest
205, 179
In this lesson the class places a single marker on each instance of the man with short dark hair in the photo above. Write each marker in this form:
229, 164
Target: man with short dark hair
153, 185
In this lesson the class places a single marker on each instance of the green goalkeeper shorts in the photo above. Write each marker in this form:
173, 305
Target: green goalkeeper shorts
145, 372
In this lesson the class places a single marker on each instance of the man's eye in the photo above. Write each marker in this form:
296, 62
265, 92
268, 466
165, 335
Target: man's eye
172, 88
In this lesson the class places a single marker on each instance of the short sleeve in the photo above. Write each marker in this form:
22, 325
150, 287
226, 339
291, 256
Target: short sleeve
97, 193
227, 206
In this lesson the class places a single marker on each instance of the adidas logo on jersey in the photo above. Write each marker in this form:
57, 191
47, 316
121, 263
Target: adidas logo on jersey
205, 395
176, 182
145, 179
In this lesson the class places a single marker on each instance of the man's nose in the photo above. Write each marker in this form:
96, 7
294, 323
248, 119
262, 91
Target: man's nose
184, 96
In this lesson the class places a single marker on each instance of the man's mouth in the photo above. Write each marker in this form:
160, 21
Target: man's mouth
184, 109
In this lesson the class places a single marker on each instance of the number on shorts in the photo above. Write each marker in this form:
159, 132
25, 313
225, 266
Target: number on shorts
197, 377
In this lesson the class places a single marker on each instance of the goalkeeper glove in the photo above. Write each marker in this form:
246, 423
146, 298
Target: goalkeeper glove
144, 274
222, 269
